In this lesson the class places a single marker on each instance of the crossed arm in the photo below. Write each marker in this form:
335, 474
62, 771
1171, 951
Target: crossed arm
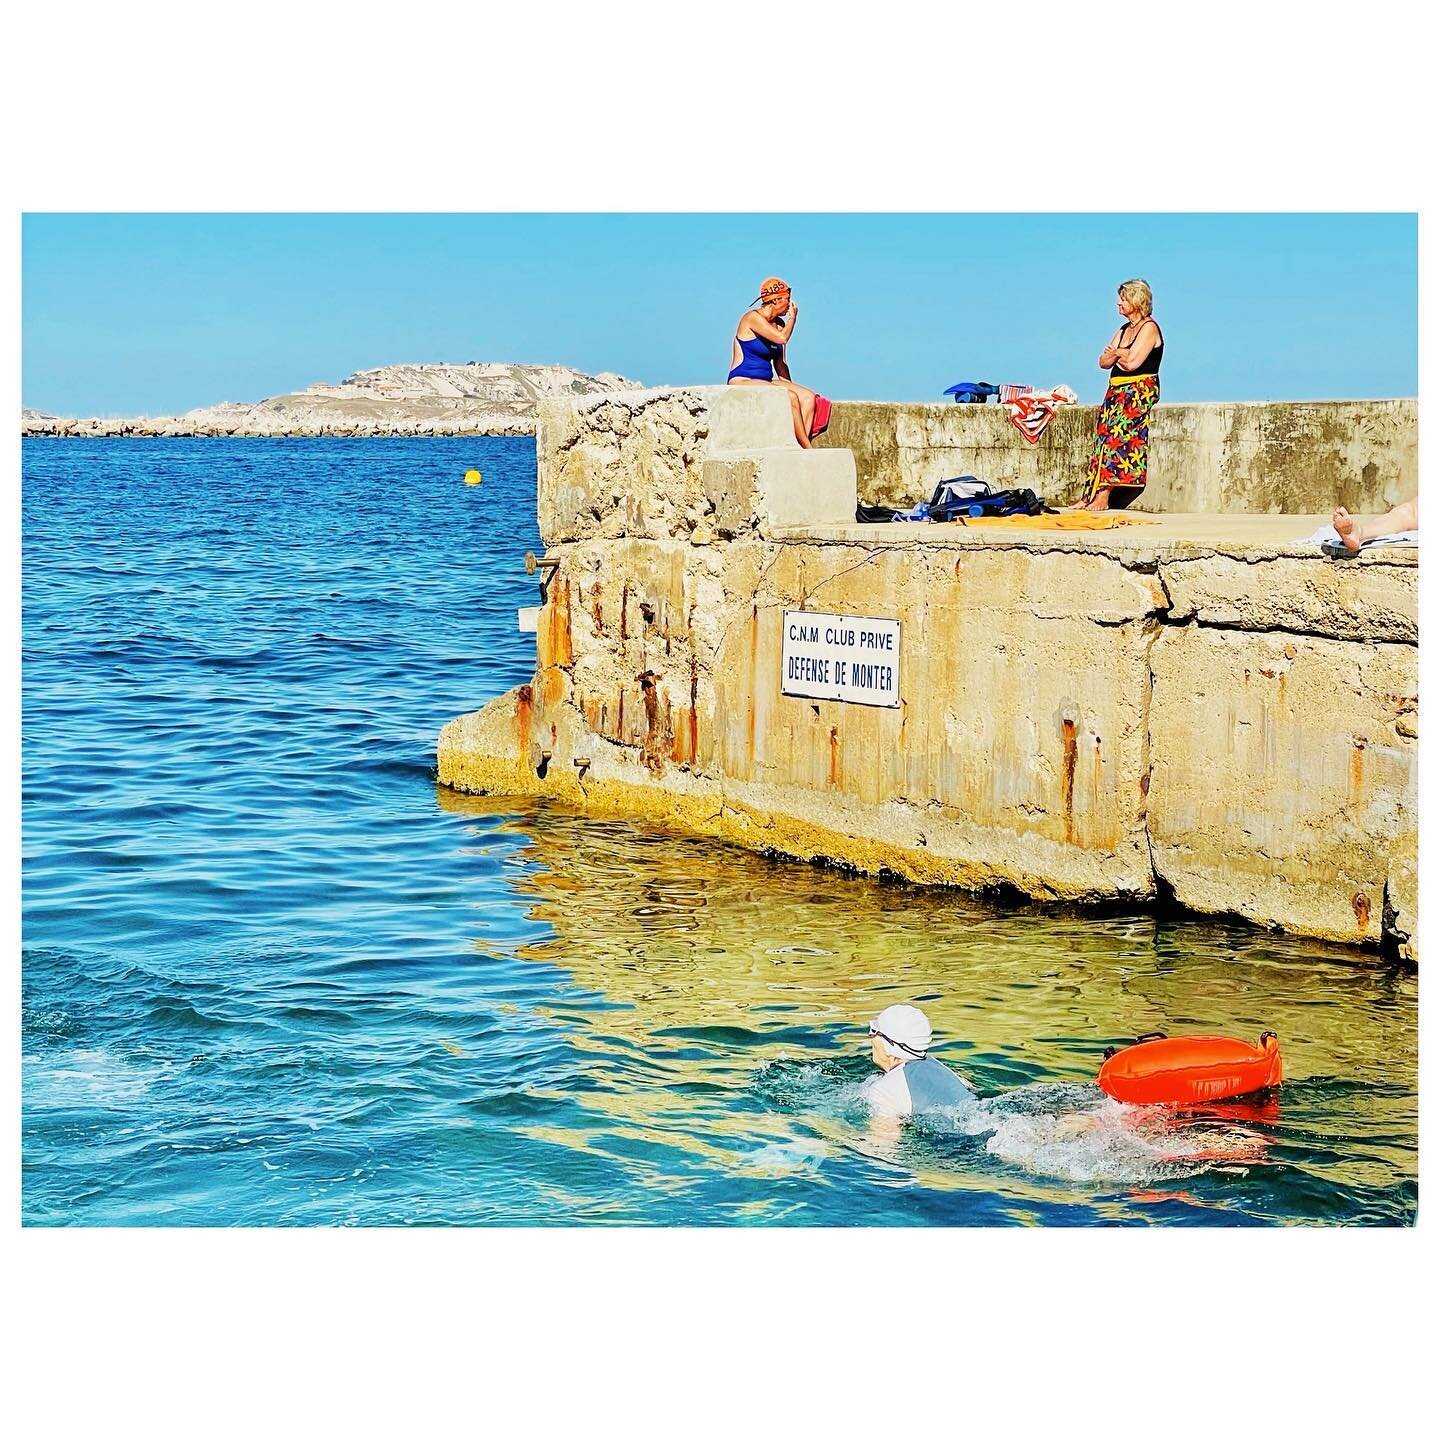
1132, 356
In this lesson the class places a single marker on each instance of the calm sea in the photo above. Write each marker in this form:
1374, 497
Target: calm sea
274, 975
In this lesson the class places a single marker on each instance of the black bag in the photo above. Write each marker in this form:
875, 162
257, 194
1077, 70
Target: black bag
875, 514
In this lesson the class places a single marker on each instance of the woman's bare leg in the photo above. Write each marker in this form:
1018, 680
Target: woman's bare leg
804, 415
1354, 532
797, 418
797, 413
802, 425
1090, 493
807, 410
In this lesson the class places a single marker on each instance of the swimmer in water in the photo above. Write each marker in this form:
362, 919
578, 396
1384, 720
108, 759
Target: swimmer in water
912, 1082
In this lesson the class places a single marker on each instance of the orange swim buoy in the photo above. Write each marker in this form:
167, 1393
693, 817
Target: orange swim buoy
1190, 1069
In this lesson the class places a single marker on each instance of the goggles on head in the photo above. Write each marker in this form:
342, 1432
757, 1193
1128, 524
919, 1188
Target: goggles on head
898, 1044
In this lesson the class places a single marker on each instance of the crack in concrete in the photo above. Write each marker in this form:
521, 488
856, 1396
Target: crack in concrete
755, 600
848, 570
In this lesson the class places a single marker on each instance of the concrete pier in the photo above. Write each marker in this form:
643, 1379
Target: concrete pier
1199, 706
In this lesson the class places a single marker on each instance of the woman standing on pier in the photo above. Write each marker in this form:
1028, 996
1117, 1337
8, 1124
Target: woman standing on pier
1122, 431
757, 354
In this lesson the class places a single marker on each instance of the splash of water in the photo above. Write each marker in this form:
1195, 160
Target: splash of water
1064, 1131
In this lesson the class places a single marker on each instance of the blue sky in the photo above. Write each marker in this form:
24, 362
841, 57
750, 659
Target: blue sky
134, 314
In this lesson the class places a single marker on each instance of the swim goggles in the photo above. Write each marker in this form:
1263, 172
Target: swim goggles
898, 1044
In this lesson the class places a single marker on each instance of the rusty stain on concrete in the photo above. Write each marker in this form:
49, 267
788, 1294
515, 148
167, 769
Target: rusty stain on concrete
1069, 753
553, 686
658, 737
694, 711
524, 719
554, 642
753, 647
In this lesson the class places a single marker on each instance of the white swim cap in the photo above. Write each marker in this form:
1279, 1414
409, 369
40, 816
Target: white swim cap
904, 1031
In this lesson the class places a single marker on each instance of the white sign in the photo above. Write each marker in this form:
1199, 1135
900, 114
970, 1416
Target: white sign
840, 657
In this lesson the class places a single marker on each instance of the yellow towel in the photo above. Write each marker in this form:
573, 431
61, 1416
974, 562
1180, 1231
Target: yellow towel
1068, 520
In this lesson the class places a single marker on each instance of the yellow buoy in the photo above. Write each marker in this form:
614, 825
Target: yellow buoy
473, 477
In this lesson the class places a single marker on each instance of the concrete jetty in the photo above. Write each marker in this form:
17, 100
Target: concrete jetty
1199, 707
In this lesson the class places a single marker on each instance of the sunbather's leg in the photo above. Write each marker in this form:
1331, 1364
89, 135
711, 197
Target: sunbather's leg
1354, 532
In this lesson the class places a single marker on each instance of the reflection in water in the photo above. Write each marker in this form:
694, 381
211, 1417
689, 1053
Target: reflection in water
722, 1010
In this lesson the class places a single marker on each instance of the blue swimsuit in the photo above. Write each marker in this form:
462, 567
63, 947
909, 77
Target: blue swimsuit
758, 360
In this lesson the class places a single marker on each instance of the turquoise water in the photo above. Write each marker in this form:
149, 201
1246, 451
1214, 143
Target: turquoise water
273, 974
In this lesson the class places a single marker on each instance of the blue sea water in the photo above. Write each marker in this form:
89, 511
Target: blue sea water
273, 974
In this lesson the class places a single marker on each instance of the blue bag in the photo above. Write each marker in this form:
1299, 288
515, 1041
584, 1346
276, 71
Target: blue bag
973, 392
967, 498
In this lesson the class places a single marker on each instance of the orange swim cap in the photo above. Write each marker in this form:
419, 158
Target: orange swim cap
773, 288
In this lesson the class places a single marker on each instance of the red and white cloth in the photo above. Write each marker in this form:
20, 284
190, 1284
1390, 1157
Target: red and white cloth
1032, 410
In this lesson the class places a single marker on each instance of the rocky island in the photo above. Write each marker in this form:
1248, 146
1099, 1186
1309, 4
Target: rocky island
476, 398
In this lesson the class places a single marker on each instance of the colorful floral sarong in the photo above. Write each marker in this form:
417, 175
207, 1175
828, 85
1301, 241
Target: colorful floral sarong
1122, 433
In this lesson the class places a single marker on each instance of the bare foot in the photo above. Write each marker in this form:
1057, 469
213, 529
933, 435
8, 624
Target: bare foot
1346, 528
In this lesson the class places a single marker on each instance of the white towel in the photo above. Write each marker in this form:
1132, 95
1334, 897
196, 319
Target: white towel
1329, 535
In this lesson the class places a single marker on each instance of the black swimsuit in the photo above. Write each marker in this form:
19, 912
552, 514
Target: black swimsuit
1150, 365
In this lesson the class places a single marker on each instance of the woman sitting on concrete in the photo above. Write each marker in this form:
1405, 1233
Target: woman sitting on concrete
1122, 431
758, 353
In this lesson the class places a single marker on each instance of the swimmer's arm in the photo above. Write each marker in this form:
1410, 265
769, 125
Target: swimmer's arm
885, 1127
776, 334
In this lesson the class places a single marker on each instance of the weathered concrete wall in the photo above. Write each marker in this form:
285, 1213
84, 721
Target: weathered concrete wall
666, 464
1273, 459
1175, 705
1283, 774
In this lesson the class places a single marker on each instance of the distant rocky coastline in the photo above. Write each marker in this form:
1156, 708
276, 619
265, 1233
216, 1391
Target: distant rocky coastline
476, 398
